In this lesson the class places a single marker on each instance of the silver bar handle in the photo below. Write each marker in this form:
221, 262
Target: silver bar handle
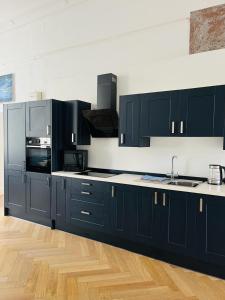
122, 138
86, 183
72, 138
48, 129
113, 191
173, 127
84, 212
85, 193
201, 205
164, 199
181, 127
156, 198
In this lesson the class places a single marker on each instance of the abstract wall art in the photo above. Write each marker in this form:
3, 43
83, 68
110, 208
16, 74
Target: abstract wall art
6, 88
207, 29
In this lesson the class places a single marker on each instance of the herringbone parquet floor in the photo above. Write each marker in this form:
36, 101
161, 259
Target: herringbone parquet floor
38, 263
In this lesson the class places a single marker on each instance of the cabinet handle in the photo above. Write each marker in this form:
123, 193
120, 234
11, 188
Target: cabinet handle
201, 205
85, 193
113, 191
181, 127
72, 137
48, 129
86, 183
164, 199
122, 138
84, 212
173, 127
156, 198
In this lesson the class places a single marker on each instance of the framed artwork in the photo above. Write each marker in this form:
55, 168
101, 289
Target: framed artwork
6, 88
207, 29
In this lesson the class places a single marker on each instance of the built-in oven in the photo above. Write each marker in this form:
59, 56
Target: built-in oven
38, 154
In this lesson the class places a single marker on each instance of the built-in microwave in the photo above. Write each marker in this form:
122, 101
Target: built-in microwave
75, 160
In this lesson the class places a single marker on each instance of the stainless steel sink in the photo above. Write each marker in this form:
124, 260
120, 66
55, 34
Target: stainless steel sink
188, 183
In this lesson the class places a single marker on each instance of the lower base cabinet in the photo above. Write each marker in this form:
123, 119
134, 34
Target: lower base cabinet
38, 192
15, 192
28, 196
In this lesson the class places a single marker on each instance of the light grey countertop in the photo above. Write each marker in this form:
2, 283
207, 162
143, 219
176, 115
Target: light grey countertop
132, 179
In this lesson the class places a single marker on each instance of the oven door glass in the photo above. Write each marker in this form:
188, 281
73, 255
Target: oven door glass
38, 160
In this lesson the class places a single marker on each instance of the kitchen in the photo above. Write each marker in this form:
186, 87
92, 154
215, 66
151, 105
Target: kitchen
157, 216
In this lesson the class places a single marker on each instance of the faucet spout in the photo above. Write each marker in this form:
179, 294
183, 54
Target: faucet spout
172, 169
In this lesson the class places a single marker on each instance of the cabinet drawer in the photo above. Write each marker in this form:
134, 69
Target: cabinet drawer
86, 212
89, 191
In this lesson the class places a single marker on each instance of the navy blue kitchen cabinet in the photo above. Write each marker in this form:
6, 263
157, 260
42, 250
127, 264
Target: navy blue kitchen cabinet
15, 192
38, 195
129, 123
58, 203
38, 118
147, 216
14, 137
76, 131
210, 228
87, 204
123, 210
177, 219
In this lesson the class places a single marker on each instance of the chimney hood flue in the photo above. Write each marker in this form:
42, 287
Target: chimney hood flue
103, 121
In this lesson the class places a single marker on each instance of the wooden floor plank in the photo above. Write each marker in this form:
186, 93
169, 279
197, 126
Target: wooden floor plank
39, 263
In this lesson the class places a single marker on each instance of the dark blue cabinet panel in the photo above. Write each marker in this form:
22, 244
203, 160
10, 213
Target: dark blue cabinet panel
38, 190
58, 207
87, 204
212, 228
123, 210
155, 113
177, 222
147, 216
38, 118
130, 134
15, 191
14, 136
76, 131
200, 111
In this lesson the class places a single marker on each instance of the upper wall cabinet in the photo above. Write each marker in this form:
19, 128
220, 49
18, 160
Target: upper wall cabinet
76, 129
204, 112
194, 113
129, 127
14, 136
38, 118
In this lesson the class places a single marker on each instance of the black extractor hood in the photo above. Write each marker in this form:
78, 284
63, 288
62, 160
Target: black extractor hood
103, 121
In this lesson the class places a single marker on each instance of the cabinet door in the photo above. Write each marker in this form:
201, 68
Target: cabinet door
129, 121
39, 195
58, 209
14, 134
177, 219
76, 129
38, 118
212, 228
155, 117
147, 217
200, 111
123, 205
15, 191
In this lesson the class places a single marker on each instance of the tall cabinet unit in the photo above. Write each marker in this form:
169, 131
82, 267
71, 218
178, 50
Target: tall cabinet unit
14, 158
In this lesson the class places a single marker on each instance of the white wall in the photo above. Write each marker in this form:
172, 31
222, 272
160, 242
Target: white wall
144, 42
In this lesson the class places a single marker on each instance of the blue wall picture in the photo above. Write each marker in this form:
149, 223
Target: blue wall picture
6, 88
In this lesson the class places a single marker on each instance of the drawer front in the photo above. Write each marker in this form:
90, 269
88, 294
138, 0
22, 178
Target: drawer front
87, 190
86, 213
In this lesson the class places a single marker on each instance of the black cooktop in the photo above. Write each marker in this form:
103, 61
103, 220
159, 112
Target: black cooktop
96, 174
